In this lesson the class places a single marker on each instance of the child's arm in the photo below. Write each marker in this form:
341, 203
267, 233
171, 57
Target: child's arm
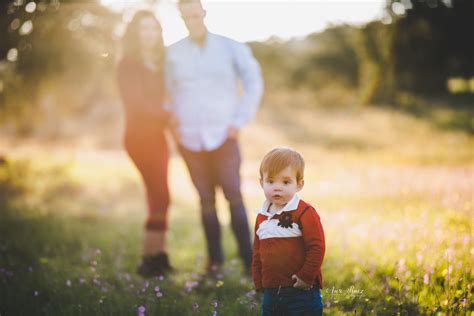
313, 236
256, 263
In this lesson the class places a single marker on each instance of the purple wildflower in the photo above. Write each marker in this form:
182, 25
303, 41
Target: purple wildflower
251, 293
189, 285
158, 291
6, 272
426, 278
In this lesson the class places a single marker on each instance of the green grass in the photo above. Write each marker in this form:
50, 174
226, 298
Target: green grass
394, 193
86, 267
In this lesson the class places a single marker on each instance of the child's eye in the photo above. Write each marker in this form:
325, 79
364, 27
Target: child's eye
286, 182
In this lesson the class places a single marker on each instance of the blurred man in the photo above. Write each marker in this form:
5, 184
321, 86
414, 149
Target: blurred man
203, 75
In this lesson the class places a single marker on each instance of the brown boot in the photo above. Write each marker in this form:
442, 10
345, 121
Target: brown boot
154, 265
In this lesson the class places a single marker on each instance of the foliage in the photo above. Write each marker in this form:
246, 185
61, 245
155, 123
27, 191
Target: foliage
417, 52
52, 53
12, 181
431, 44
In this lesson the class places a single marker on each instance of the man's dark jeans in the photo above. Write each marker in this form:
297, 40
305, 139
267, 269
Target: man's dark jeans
208, 170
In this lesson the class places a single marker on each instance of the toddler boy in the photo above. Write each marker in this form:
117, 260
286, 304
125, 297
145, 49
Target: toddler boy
289, 243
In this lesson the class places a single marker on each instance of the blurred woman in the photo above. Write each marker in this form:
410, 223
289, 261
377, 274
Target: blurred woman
141, 84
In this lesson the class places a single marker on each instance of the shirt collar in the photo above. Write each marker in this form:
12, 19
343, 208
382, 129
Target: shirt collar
209, 36
290, 206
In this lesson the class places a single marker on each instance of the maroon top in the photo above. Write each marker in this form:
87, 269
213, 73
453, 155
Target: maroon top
142, 92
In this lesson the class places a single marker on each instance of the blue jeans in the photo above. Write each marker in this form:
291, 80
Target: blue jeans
290, 301
220, 168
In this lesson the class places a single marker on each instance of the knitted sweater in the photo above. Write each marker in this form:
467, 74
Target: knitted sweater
286, 243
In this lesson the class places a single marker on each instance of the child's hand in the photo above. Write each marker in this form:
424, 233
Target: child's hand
300, 284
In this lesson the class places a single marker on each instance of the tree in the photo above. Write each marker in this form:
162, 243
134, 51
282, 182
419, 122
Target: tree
433, 41
51, 46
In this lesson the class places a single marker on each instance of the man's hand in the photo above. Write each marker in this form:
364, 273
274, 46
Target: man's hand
232, 133
300, 284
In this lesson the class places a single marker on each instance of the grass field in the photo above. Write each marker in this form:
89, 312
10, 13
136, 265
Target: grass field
394, 192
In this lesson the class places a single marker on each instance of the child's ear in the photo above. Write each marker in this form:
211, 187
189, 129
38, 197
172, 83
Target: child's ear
300, 185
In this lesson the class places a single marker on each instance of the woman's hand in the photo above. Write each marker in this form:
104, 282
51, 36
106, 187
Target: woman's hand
232, 133
172, 120
300, 284
173, 126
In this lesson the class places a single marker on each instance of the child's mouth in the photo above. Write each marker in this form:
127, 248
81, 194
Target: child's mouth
276, 196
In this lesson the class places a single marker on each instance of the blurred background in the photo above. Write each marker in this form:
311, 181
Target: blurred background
58, 59
377, 95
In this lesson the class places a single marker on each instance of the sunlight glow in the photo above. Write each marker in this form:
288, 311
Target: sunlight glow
260, 20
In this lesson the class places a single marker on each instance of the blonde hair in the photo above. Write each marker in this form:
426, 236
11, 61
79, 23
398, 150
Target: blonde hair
279, 158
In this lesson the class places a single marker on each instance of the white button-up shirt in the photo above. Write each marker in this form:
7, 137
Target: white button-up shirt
204, 85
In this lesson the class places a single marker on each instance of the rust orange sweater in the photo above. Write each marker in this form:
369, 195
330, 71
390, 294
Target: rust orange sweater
289, 242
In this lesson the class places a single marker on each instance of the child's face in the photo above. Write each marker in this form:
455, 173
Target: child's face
281, 188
